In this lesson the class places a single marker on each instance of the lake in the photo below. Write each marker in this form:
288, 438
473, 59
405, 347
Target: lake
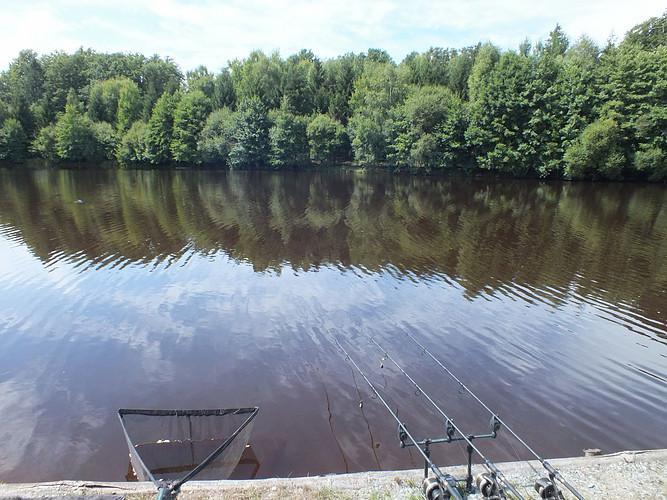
207, 289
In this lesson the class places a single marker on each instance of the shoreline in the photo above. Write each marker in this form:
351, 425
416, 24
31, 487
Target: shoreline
34, 164
627, 474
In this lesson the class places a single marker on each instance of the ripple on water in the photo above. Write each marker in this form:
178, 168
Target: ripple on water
194, 288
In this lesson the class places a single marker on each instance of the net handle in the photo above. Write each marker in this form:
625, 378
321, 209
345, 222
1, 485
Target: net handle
216, 453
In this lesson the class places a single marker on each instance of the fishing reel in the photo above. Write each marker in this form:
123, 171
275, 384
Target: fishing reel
433, 491
547, 490
487, 485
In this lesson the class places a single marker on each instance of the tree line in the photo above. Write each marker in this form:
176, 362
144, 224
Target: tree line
553, 109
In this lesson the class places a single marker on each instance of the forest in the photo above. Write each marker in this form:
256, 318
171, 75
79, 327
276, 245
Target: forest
558, 108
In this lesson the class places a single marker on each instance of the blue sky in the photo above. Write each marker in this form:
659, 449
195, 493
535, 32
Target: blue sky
212, 32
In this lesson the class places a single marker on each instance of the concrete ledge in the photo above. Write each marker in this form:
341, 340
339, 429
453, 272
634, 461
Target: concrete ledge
627, 475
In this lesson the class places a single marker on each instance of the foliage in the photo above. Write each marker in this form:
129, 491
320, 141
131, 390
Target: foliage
650, 34
287, 137
13, 140
215, 140
74, 134
429, 68
223, 93
104, 136
300, 81
103, 100
189, 118
159, 131
520, 113
376, 91
487, 57
250, 136
132, 147
500, 116
428, 130
326, 137
596, 152
652, 161
337, 85
259, 76
129, 105
157, 77
25, 80
44, 144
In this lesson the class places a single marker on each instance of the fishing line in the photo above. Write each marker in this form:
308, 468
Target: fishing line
363, 414
444, 480
487, 464
553, 473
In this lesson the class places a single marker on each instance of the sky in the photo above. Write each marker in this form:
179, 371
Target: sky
213, 32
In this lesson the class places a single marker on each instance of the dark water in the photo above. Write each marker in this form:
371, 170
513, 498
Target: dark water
204, 289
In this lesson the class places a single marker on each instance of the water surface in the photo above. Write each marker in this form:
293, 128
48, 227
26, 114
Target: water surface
215, 289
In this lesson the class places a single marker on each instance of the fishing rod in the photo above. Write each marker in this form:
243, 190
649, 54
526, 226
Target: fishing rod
488, 464
546, 488
443, 479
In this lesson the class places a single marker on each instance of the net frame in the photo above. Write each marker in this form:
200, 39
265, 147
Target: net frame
250, 411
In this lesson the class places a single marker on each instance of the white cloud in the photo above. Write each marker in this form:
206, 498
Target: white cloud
213, 32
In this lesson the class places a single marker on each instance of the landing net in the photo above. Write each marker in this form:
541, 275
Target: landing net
174, 446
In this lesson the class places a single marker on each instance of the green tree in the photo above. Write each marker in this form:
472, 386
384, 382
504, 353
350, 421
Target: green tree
75, 134
300, 82
376, 91
44, 144
13, 140
557, 43
132, 147
326, 137
337, 85
4, 111
62, 73
159, 133
157, 77
189, 119
547, 132
224, 95
499, 126
129, 105
116, 101
635, 94
485, 60
652, 162
429, 68
287, 137
216, 138
428, 130
650, 34
25, 79
251, 136
201, 79
597, 153
258, 76
460, 68
103, 100
105, 140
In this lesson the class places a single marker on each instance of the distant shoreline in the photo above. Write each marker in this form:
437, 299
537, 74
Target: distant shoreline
472, 173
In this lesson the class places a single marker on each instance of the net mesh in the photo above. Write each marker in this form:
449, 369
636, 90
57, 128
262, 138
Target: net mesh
169, 444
